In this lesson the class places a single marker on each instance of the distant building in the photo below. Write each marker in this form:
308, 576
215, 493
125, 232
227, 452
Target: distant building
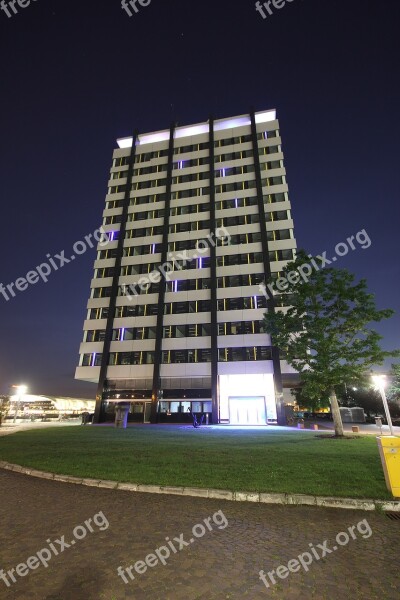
197, 218
32, 405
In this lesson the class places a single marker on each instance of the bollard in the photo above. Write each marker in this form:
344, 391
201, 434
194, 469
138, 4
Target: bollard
121, 415
314, 426
378, 422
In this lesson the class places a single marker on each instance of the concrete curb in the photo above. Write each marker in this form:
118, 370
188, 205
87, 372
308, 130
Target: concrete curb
262, 498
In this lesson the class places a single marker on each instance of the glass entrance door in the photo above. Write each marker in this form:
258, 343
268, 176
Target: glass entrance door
147, 412
247, 410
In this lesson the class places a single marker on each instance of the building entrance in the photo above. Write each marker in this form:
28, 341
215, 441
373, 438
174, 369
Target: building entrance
245, 410
147, 412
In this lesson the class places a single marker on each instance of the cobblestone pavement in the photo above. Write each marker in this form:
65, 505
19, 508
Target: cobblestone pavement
223, 564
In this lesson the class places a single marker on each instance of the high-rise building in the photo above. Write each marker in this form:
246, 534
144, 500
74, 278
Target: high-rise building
197, 218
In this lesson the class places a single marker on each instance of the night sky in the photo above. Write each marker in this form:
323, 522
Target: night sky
77, 75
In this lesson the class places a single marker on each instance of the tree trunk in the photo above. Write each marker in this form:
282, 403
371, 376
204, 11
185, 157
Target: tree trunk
337, 417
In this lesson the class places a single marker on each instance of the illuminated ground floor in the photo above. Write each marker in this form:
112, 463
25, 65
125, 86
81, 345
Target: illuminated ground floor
242, 399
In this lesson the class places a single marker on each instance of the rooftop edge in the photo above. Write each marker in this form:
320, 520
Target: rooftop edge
198, 129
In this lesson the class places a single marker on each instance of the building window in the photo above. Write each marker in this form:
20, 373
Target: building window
185, 356
131, 358
253, 353
92, 360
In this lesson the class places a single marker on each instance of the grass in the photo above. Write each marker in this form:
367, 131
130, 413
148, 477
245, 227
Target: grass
247, 460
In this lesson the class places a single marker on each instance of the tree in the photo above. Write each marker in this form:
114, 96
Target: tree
4, 407
311, 403
370, 400
394, 409
324, 332
367, 398
393, 393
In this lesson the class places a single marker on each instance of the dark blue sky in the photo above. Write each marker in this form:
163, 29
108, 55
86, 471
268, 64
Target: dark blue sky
75, 76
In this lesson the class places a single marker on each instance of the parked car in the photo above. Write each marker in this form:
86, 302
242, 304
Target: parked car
327, 416
308, 415
299, 414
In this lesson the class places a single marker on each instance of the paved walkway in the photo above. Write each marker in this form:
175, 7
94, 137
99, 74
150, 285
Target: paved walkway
9, 427
222, 564
365, 428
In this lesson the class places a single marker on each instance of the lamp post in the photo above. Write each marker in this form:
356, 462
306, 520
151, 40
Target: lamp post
21, 391
379, 382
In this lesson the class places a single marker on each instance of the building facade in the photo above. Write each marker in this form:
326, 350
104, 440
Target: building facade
196, 219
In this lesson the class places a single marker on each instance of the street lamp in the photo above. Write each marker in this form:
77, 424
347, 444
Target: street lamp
21, 391
380, 382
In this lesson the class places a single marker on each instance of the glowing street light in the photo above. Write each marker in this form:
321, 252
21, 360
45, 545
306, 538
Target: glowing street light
21, 391
380, 382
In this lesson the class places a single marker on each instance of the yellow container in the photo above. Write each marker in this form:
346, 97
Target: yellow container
389, 449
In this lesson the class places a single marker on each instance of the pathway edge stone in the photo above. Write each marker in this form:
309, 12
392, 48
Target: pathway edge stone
255, 497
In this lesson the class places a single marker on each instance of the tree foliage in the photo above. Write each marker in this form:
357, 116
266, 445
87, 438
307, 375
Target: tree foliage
393, 392
4, 407
367, 398
312, 404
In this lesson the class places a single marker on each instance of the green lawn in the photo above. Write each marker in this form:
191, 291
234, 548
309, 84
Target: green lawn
247, 460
